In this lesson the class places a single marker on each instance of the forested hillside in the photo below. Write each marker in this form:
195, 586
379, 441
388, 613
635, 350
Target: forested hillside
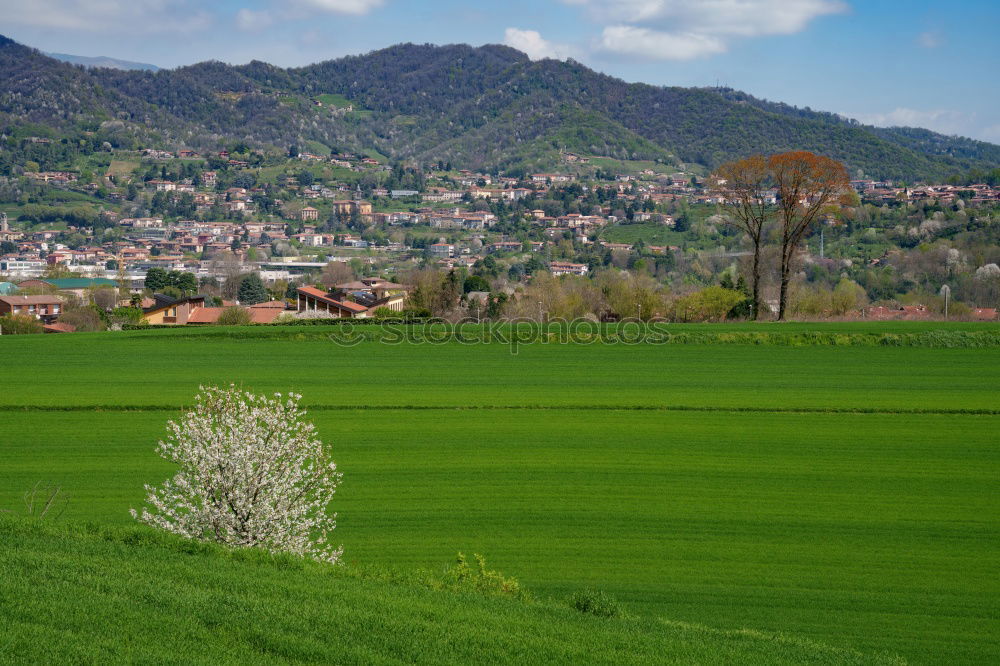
485, 108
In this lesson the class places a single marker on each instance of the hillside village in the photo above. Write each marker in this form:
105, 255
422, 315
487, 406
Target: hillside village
291, 220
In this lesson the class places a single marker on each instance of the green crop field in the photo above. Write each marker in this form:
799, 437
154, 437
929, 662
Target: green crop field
104, 595
651, 233
842, 494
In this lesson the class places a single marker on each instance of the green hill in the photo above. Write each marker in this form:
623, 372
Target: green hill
86, 594
488, 107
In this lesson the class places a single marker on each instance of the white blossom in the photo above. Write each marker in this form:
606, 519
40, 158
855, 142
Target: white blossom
988, 272
252, 474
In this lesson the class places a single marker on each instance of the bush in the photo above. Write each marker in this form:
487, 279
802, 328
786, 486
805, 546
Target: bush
462, 576
709, 304
597, 603
20, 325
126, 315
83, 319
234, 316
252, 474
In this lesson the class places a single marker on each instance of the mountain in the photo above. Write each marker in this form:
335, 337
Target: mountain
102, 61
487, 107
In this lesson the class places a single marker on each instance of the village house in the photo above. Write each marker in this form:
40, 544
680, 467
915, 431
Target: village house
440, 194
567, 268
45, 308
441, 250
261, 313
167, 310
311, 299
504, 246
373, 293
162, 185
514, 194
543, 178
345, 209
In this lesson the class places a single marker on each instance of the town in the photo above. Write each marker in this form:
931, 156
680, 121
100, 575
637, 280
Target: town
329, 234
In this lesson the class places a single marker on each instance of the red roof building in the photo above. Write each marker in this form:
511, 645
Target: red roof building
312, 299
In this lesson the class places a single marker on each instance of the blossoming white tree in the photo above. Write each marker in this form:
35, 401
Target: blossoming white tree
252, 474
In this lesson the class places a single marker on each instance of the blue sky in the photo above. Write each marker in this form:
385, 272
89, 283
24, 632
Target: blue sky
887, 62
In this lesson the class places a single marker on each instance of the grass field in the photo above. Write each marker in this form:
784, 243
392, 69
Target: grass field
129, 595
651, 233
122, 169
835, 494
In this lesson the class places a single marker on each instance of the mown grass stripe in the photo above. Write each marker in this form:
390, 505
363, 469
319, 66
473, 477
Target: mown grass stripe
558, 408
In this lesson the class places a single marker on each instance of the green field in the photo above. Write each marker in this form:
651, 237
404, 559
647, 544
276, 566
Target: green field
846, 495
338, 101
651, 233
129, 595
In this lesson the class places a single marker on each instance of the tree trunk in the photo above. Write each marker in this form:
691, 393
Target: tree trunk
785, 278
755, 277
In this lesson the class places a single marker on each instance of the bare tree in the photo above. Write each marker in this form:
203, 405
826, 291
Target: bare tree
806, 184
336, 272
742, 184
229, 267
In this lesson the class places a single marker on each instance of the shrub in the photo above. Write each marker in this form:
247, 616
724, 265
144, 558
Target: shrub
595, 602
709, 304
480, 579
234, 316
83, 319
252, 474
20, 325
126, 315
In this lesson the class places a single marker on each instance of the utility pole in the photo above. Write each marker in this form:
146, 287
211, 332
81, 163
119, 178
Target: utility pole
821, 242
946, 292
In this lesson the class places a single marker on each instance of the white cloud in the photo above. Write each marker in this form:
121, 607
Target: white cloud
991, 134
657, 45
930, 39
534, 45
946, 121
297, 10
354, 7
110, 16
684, 29
248, 19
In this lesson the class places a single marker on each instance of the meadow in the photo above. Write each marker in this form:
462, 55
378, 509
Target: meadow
101, 595
846, 495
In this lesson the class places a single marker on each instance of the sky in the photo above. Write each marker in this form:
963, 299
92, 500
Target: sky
885, 62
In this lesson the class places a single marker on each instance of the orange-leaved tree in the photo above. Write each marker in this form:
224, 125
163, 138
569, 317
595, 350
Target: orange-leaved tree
742, 185
806, 184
